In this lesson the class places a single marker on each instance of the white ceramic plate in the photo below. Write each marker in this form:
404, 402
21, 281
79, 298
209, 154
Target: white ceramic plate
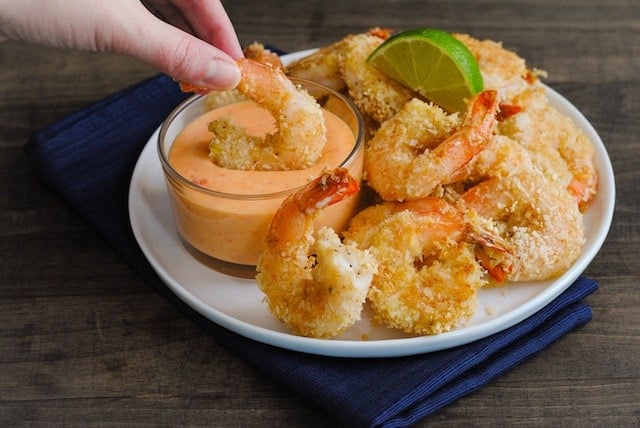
237, 305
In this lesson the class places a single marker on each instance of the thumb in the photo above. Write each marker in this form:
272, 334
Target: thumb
180, 55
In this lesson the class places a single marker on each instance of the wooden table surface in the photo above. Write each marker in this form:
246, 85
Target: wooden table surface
84, 341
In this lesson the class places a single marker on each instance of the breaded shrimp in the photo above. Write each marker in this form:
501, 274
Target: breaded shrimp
501, 69
536, 217
502, 156
215, 99
556, 145
301, 132
255, 51
376, 95
258, 52
415, 151
323, 65
314, 284
427, 274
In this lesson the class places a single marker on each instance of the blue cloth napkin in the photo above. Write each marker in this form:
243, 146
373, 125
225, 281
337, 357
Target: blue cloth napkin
88, 158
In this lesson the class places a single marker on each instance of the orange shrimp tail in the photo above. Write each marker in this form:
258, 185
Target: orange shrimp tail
583, 190
508, 110
383, 33
483, 107
191, 88
327, 189
474, 134
497, 271
490, 254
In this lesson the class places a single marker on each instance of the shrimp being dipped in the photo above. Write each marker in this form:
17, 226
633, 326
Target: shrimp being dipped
255, 51
301, 132
427, 275
536, 217
258, 52
315, 284
415, 151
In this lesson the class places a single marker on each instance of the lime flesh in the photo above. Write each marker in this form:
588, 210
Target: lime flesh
433, 63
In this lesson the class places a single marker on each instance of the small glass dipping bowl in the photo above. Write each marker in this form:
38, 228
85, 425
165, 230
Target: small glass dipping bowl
227, 230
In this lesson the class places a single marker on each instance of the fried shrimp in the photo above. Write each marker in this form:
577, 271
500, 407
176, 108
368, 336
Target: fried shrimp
255, 51
258, 52
427, 275
301, 132
323, 65
536, 217
376, 95
415, 151
556, 145
502, 156
342, 66
501, 69
316, 285
215, 99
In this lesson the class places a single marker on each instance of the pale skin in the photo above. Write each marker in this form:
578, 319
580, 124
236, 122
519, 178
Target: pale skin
191, 40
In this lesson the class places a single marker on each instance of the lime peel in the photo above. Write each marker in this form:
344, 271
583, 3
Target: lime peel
431, 62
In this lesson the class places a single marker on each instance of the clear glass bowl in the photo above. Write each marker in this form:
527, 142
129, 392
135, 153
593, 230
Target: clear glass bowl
226, 230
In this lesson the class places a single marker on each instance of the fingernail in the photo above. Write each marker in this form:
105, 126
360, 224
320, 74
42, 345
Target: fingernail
222, 74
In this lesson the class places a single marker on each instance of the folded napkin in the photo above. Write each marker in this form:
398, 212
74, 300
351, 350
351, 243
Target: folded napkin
88, 158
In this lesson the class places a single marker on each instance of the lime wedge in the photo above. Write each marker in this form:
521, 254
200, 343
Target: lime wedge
433, 63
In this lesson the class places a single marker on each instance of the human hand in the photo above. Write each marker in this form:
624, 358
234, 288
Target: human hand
196, 44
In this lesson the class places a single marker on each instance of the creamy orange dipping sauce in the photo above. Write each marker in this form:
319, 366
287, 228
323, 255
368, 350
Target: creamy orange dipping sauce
231, 226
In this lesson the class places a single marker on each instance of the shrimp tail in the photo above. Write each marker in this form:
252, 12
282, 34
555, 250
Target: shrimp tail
491, 249
481, 117
383, 33
327, 189
490, 254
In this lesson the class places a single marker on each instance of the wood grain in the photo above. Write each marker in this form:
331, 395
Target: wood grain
83, 341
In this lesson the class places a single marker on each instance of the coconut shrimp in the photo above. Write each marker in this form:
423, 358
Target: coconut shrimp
427, 275
502, 70
557, 146
323, 65
315, 284
258, 52
536, 217
255, 51
501, 157
216, 99
301, 132
376, 95
415, 151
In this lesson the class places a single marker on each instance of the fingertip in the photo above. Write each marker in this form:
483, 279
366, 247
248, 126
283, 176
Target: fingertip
222, 74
